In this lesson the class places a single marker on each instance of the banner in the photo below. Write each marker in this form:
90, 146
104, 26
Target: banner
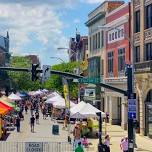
66, 92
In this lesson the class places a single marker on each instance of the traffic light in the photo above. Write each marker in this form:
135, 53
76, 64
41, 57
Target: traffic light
35, 72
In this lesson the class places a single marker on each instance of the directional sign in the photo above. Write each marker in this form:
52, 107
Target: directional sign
46, 72
132, 108
89, 80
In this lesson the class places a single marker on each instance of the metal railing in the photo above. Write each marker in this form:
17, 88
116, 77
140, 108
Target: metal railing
35, 147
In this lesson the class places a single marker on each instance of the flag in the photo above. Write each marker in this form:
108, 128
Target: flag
66, 92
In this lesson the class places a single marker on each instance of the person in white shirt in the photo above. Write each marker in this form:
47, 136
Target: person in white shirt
124, 144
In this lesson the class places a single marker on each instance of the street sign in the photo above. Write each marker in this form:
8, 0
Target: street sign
46, 73
89, 80
132, 108
33, 147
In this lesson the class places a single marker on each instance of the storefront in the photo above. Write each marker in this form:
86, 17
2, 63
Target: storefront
148, 115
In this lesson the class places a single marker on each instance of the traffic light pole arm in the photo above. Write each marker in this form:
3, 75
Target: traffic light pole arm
114, 89
15, 69
65, 74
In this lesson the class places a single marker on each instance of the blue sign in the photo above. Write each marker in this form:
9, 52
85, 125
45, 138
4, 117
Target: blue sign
132, 108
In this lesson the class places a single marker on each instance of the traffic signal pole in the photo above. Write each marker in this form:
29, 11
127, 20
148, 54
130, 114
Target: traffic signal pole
130, 119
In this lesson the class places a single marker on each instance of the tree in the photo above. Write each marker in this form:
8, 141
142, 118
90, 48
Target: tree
55, 81
22, 80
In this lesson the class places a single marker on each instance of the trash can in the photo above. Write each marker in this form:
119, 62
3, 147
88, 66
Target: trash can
55, 129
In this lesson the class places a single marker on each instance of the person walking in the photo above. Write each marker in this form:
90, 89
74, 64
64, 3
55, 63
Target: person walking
26, 108
32, 122
18, 123
37, 117
124, 144
79, 148
107, 143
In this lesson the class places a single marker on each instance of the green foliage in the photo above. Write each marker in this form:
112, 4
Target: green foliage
22, 80
55, 82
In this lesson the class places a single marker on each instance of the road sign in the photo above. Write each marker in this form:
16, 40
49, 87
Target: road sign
33, 147
46, 73
132, 108
89, 80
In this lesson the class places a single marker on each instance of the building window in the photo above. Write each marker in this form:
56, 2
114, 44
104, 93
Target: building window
93, 42
148, 16
137, 21
113, 36
109, 37
116, 35
121, 59
137, 54
119, 31
90, 45
99, 40
148, 52
110, 62
96, 41
122, 32
102, 38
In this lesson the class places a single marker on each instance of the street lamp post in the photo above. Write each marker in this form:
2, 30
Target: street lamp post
130, 89
53, 57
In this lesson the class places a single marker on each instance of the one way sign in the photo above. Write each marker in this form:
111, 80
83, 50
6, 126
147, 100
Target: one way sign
46, 73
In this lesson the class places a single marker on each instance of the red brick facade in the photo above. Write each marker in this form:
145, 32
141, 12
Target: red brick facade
114, 19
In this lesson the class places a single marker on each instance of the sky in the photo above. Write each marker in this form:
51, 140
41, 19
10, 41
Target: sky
41, 26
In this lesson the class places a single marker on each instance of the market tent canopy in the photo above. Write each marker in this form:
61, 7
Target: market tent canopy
61, 104
77, 107
4, 106
23, 94
90, 111
6, 103
14, 97
53, 99
3, 111
38, 92
78, 116
53, 95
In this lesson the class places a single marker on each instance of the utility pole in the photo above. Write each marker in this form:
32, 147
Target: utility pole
100, 145
131, 108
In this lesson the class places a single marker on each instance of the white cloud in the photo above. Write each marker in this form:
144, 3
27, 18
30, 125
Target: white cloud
92, 1
76, 21
33, 22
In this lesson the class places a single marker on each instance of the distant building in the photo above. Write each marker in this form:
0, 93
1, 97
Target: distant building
34, 59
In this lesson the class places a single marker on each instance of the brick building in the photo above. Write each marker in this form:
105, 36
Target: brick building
117, 54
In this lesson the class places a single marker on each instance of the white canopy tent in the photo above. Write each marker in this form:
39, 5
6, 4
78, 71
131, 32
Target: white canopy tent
53, 95
85, 109
14, 97
54, 99
90, 111
38, 92
77, 107
78, 116
61, 104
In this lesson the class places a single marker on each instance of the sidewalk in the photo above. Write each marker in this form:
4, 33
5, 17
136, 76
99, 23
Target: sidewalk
144, 144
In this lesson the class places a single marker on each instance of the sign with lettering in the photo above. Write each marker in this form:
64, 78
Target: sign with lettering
33, 147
